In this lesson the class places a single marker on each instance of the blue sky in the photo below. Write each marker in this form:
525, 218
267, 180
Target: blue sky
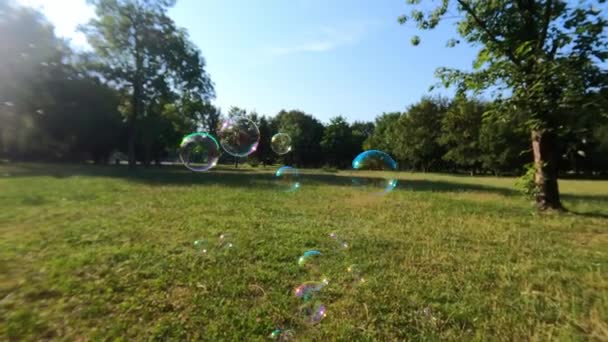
327, 58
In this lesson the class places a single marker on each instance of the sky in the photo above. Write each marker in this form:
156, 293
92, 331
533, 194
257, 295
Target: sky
326, 58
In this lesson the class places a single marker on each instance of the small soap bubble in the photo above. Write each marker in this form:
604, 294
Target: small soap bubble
288, 178
340, 242
281, 143
282, 335
307, 290
308, 257
313, 312
201, 245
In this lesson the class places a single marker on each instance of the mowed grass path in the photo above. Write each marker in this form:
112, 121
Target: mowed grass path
100, 253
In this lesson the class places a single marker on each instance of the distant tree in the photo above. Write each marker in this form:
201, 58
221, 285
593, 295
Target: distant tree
416, 135
460, 133
503, 147
139, 50
542, 56
264, 152
361, 132
306, 133
382, 137
337, 143
30, 56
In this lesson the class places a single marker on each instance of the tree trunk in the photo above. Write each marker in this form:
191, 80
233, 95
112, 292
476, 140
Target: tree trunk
236, 162
546, 156
131, 143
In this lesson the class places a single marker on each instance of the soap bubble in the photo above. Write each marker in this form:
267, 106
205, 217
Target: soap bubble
201, 245
199, 152
282, 335
355, 274
281, 143
224, 241
306, 290
313, 312
239, 136
308, 256
288, 178
375, 170
341, 243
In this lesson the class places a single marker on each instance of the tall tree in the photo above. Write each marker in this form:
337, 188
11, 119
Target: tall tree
141, 52
382, 136
305, 132
543, 56
337, 142
460, 133
416, 135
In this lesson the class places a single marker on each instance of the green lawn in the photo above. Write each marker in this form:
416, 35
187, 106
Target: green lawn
100, 253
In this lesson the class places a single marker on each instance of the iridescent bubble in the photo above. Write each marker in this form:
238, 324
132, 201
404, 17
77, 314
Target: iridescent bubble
224, 241
308, 256
281, 143
355, 274
309, 288
288, 178
282, 335
239, 136
313, 312
201, 245
375, 170
199, 152
341, 243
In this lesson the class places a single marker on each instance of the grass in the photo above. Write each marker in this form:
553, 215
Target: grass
92, 253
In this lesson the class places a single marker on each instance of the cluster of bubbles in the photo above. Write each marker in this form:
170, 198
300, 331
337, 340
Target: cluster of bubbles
311, 309
239, 137
205, 246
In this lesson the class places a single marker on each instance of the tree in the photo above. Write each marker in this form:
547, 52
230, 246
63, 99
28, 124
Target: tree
543, 56
460, 133
503, 147
382, 136
361, 132
264, 152
337, 143
140, 51
417, 132
306, 133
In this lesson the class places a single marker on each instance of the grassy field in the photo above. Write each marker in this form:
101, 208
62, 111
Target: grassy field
100, 253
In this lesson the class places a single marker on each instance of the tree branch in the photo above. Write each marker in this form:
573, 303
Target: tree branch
493, 37
545, 27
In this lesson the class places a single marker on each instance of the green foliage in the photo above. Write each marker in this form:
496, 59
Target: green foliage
306, 133
142, 53
460, 133
338, 145
416, 135
525, 183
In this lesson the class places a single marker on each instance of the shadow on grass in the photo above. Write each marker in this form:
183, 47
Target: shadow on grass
261, 177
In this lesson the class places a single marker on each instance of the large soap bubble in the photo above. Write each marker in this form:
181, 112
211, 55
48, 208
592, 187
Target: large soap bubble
199, 152
239, 136
375, 169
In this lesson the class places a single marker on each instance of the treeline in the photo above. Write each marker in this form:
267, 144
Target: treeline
144, 86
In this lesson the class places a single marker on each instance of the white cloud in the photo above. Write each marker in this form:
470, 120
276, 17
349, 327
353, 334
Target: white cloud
329, 38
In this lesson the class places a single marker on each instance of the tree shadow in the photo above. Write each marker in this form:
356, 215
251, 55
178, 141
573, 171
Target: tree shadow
258, 178
592, 214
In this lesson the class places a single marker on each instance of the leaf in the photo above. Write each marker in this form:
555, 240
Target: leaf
415, 40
